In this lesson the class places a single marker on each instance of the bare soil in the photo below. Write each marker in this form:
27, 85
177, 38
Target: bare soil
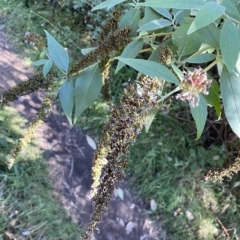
69, 156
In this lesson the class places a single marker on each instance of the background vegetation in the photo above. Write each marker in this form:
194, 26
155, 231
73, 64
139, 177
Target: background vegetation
166, 164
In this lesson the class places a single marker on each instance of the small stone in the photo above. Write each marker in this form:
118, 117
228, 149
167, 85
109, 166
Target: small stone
130, 227
190, 216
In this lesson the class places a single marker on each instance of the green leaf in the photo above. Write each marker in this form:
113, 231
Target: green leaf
209, 13
180, 16
42, 54
149, 15
102, 5
151, 68
213, 97
210, 35
87, 88
149, 119
177, 4
230, 92
107, 4
131, 18
177, 71
114, 3
229, 44
202, 58
57, 52
155, 24
47, 67
130, 51
199, 114
39, 62
187, 44
164, 12
231, 9
66, 96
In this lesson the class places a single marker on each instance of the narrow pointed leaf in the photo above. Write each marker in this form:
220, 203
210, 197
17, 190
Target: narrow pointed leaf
230, 92
181, 15
102, 5
229, 44
66, 96
130, 51
210, 35
114, 3
199, 114
231, 8
209, 13
47, 67
151, 68
39, 62
187, 44
202, 58
87, 88
177, 71
177, 4
107, 4
164, 12
151, 116
154, 25
149, 15
57, 52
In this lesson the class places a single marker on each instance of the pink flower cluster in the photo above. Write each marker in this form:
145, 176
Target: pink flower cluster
192, 85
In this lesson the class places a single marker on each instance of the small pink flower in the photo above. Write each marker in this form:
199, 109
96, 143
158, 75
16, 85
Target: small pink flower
192, 84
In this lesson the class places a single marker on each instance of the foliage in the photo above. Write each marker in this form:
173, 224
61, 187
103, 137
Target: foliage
174, 178
28, 205
184, 42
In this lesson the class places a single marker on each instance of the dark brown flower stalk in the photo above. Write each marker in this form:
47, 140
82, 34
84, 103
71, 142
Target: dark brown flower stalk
36, 122
126, 122
111, 25
218, 176
113, 42
35, 39
31, 85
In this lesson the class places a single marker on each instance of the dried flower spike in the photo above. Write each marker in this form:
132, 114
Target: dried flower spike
31, 85
192, 85
166, 55
127, 120
36, 122
35, 40
218, 176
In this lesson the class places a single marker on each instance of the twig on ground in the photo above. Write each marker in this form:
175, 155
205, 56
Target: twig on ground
224, 229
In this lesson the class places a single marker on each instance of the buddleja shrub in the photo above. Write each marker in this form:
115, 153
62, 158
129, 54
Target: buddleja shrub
178, 34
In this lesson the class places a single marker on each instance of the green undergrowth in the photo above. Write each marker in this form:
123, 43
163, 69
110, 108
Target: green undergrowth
168, 166
73, 29
28, 208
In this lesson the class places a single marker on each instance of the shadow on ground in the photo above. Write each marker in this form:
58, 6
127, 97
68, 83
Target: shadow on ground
70, 156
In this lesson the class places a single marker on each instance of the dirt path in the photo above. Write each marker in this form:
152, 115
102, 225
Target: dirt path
70, 156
